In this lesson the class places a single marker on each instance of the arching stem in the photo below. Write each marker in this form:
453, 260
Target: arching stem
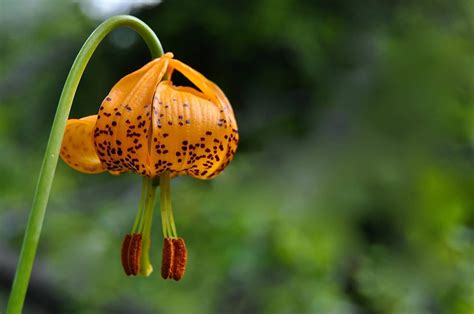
50, 160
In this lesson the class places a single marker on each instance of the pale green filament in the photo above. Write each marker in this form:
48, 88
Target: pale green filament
171, 220
164, 187
139, 219
167, 220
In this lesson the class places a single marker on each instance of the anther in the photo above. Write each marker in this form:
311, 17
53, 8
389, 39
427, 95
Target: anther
180, 258
125, 249
167, 259
131, 253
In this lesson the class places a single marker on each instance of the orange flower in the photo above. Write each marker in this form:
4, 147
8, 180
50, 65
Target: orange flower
151, 127
147, 125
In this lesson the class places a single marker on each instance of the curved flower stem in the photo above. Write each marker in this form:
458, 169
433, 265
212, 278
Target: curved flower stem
50, 160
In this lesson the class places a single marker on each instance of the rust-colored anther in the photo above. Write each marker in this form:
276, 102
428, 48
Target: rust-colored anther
135, 253
131, 253
167, 259
180, 258
125, 249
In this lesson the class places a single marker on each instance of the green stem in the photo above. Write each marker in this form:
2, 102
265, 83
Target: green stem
50, 160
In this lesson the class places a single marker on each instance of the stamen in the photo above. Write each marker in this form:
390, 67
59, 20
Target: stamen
131, 252
167, 259
141, 208
125, 250
173, 265
135, 253
174, 258
180, 258
136, 245
171, 219
169, 229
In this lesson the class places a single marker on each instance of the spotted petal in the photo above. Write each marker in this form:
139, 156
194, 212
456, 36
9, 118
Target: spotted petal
209, 88
196, 78
78, 149
123, 126
217, 96
189, 136
230, 124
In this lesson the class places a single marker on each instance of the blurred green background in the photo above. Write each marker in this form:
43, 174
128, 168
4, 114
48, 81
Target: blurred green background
352, 190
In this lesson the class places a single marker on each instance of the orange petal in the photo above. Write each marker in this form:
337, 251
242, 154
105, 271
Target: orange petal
124, 121
196, 78
78, 149
209, 88
217, 96
189, 135
233, 139
225, 103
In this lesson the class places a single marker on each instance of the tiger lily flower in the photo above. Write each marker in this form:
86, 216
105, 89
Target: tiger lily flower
148, 126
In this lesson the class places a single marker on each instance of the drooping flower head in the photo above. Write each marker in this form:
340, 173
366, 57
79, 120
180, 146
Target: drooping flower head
147, 125
151, 127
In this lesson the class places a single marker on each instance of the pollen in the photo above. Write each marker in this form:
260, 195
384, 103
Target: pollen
131, 253
174, 258
180, 259
167, 258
